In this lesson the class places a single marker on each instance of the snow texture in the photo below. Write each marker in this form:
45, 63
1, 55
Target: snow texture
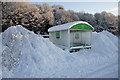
26, 55
0, 56
66, 26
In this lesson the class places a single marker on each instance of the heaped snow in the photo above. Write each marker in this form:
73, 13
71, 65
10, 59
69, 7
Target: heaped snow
24, 54
0, 57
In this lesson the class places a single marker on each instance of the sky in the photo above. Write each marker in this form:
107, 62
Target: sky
88, 7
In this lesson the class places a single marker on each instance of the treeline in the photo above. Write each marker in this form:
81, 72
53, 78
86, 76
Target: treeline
39, 18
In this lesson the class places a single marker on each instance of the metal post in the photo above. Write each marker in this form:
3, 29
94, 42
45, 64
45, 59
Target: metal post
91, 38
69, 38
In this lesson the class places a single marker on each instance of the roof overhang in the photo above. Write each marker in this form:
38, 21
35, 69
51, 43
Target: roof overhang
68, 26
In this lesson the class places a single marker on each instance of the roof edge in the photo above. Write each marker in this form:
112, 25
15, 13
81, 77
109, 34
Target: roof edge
81, 22
66, 28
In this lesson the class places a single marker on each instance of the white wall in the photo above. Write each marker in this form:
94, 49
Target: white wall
84, 37
72, 37
63, 40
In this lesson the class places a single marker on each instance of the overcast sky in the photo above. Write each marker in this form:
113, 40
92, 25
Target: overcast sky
88, 7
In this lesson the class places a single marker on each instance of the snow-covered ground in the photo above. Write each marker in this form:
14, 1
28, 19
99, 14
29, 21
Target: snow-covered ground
24, 54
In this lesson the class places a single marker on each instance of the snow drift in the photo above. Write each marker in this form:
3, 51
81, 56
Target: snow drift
24, 54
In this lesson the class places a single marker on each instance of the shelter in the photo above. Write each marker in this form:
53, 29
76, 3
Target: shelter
72, 34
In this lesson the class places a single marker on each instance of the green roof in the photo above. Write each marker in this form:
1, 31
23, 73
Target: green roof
82, 26
72, 25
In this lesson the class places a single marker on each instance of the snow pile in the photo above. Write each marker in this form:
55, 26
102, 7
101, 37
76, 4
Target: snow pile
0, 57
24, 54
30, 54
102, 59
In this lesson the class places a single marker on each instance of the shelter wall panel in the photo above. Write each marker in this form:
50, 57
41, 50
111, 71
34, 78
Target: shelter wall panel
73, 40
86, 37
51, 34
63, 40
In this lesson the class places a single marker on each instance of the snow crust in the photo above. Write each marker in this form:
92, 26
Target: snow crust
26, 55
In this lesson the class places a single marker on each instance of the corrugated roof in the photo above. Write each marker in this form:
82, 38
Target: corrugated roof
66, 26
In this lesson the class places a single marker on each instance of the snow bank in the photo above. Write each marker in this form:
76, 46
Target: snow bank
27, 55
102, 59
0, 56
